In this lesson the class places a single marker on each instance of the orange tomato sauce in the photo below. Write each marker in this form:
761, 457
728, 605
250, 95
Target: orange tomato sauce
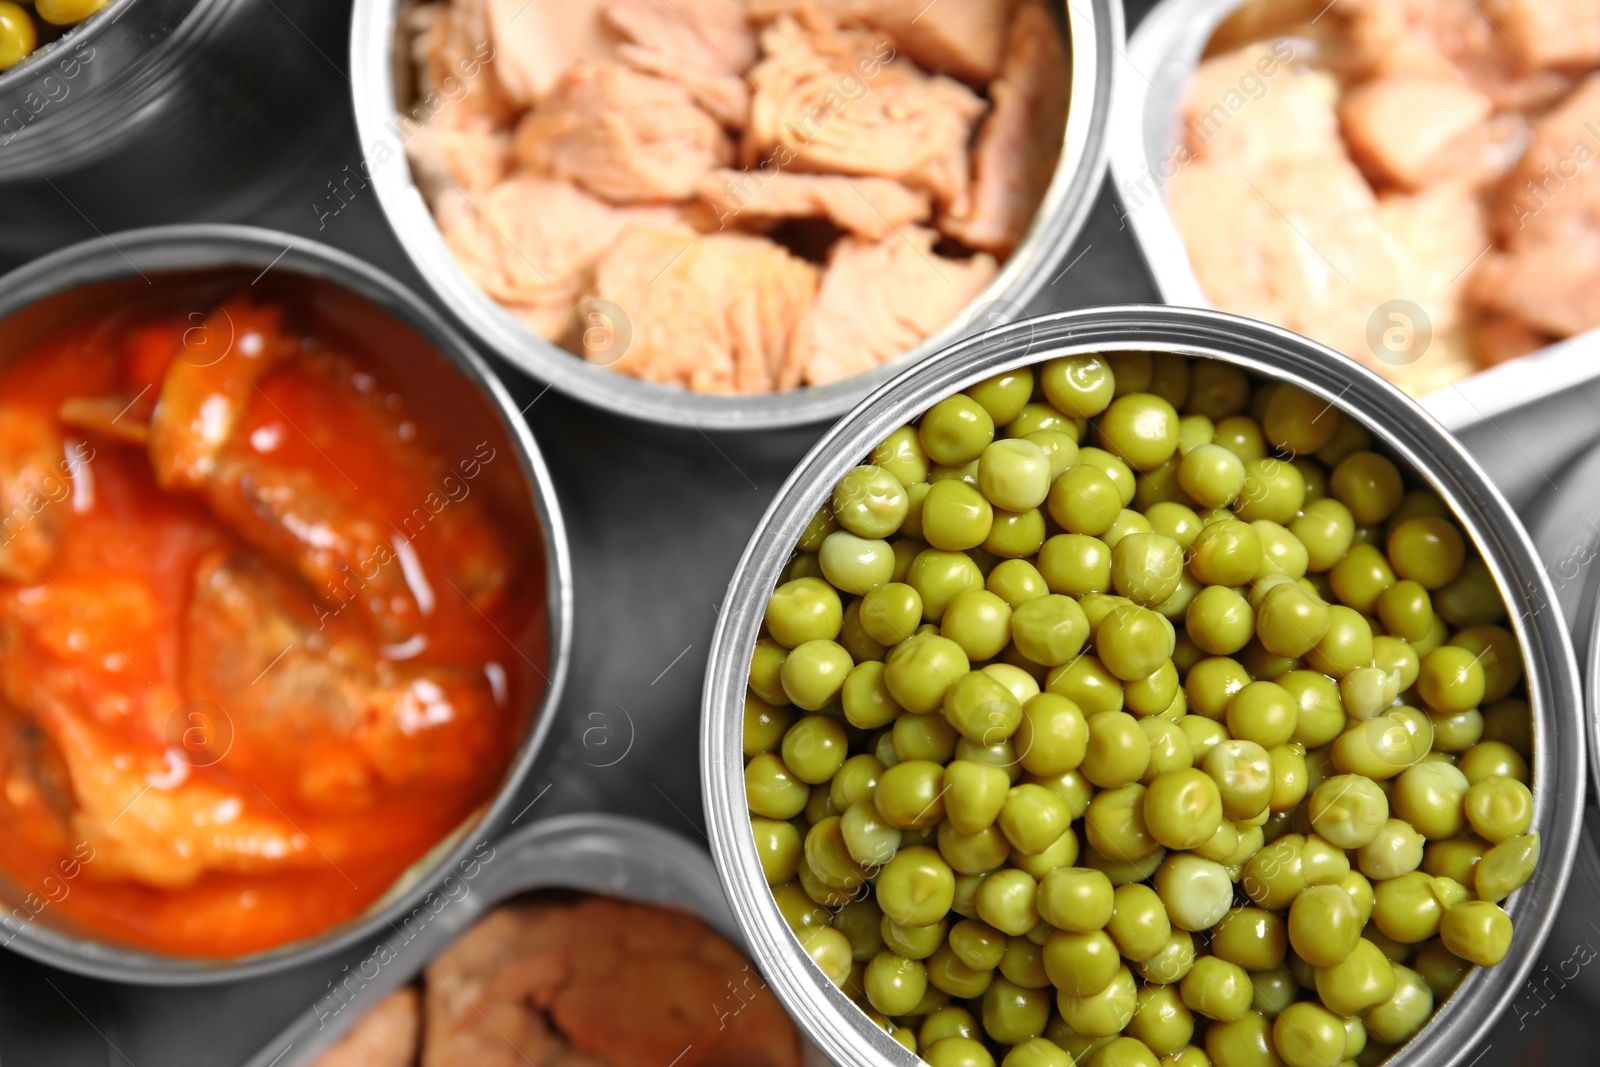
165, 782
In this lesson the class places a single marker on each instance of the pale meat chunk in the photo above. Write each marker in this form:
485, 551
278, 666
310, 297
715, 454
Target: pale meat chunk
1020, 141
529, 243
1552, 33
34, 492
536, 40
625, 136
453, 46
458, 151
1293, 119
1400, 125
964, 38
867, 207
879, 299
705, 45
715, 314
386, 1036
1548, 221
840, 101
542, 983
1446, 39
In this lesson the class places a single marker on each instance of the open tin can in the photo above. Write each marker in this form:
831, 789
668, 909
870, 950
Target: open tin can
1398, 427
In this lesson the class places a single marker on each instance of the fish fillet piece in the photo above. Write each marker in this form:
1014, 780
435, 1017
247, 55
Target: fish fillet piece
707, 46
622, 135
1547, 273
1400, 125
715, 314
535, 41
963, 38
867, 207
453, 46
547, 983
842, 102
458, 152
879, 299
386, 1036
1020, 141
1551, 33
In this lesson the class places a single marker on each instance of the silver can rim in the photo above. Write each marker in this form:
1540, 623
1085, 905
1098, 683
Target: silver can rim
211, 246
1096, 39
1560, 732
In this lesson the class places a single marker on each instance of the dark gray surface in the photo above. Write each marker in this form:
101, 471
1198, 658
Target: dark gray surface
657, 521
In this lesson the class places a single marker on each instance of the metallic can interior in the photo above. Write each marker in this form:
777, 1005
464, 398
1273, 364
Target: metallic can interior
1397, 425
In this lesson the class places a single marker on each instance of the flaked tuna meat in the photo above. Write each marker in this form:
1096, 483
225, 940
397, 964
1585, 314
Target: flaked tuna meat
842, 101
1286, 229
599, 982
1500, 338
878, 299
1400, 125
536, 40
1548, 222
867, 207
964, 38
1551, 33
1293, 119
705, 45
1019, 142
715, 314
454, 51
459, 150
389, 1035
1447, 39
529, 243
623, 135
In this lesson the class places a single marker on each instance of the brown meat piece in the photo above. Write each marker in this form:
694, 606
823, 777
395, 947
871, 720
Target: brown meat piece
705, 45
1020, 142
964, 38
1500, 338
536, 40
386, 1036
1446, 39
309, 701
1551, 33
625, 136
600, 981
880, 299
867, 207
1548, 222
715, 314
841, 101
34, 493
529, 243
1399, 125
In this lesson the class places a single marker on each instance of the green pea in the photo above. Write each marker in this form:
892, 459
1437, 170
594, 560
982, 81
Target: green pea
901, 454
1369, 485
1139, 924
1169, 746
909, 794
1075, 565
1086, 682
1477, 931
1014, 474
806, 609
814, 673
764, 725
1168, 966
870, 502
1326, 529
1212, 475
1053, 735
894, 984
1227, 553
1291, 620
1252, 938
1242, 436
1263, 712
919, 671
766, 669
981, 709
1427, 550
1505, 867
1498, 808
772, 790
1016, 581
1489, 759
1430, 797
939, 577
1006, 901
1133, 641
870, 841
1039, 418
1013, 1014
1497, 652
1451, 679
1146, 567
1408, 908
1114, 824
1023, 962
1361, 577
1348, 810
854, 564
977, 944
1299, 422
1127, 522
1275, 874
1242, 771
1363, 980
815, 748
1309, 1035
1182, 808
1324, 925
1084, 500
1273, 490
1217, 989
1216, 389
1079, 386
1080, 964
891, 612
973, 794
913, 942
923, 737
1275, 990
956, 430
1015, 534
865, 697
955, 516
860, 921
916, 887
1397, 1019
1116, 751
1004, 395
1033, 818
1063, 851
1141, 430
1038, 1052
778, 844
